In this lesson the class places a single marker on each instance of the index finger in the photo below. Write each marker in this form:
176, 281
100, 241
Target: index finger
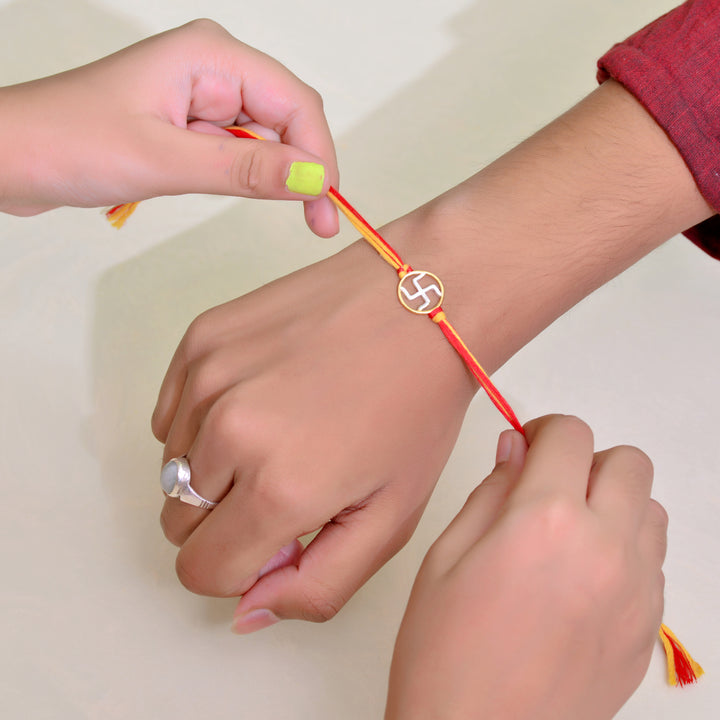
559, 459
276, 98
295, 111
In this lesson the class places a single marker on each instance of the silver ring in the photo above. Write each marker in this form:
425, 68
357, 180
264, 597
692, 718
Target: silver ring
175, 482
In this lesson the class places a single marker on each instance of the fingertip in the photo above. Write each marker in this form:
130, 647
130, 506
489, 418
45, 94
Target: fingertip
534, 426
288, 555
322, 218
566, 426
255, 620
511, 448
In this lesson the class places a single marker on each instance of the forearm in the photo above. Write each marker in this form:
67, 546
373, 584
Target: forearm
525, 239
18, 152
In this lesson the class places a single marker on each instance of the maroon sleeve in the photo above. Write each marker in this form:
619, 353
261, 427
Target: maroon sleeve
672, 67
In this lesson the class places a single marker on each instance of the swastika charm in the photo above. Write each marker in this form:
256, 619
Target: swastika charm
420, 292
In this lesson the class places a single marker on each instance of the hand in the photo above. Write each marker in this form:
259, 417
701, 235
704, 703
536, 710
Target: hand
117, 130
543, 597
316, 402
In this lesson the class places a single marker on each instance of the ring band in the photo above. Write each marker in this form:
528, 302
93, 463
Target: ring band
175, 482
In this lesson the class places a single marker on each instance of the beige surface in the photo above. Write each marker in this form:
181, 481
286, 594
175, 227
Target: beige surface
419, 94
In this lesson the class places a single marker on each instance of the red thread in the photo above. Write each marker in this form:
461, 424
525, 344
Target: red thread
684, 670
390, 254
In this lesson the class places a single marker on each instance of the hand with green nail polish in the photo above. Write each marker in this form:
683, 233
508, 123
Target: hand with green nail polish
153, 112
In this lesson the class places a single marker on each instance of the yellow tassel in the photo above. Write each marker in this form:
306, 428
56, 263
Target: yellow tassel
117, 216
682, 669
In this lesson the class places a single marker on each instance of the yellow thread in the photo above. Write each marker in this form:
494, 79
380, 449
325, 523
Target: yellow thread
121, 215
459, 339
439, 317
245, 130
665, 633
366, 233
671, 676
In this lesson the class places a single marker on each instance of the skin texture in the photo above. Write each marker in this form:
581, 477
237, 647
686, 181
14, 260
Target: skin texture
543, 597
318, 402
118, 128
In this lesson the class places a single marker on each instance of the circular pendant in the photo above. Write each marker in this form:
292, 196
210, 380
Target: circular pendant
420, 292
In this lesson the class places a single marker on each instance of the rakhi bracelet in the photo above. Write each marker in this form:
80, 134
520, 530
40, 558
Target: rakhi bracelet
422, 293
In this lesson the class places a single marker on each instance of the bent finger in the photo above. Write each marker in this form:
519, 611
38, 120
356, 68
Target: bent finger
559, 458
619, 485
654, 532
168, 398
222, 452
343, 556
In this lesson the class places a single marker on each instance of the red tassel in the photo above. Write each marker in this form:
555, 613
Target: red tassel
682, 669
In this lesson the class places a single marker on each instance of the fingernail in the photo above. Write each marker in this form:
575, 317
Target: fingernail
504, 447
305, 178
253, 621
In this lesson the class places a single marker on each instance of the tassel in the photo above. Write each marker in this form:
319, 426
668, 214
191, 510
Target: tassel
118, 215
682, 669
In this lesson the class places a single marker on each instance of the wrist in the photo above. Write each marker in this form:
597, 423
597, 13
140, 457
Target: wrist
524, 240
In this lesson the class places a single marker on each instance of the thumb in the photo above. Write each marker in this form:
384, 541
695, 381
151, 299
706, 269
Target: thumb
483, 506
204, 161
343, 556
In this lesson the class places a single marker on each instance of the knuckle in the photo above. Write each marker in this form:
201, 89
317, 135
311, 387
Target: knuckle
566, 429
188, 575
314, 97
322, 605
197, 335
227, 422
205, 378
158, 427
246, 173
205, 25
574, 428
659, 514
547, 528
172, 531
557, 517
635, 461
285, 499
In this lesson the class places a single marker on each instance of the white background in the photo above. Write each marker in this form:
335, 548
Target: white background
419, 94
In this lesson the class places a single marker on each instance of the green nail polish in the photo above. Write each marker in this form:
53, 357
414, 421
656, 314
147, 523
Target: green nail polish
305, 178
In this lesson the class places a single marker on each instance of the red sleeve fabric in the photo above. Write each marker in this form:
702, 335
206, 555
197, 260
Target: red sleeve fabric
672, 66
